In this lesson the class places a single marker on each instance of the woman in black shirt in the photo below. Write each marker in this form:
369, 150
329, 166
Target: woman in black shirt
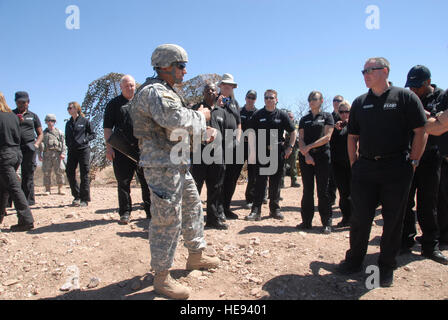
78, 134
315, 131
341, 163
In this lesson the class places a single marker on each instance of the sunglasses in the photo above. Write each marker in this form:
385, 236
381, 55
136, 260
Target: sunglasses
180, 65
336, 100
370, 70
251, 98
69, 108
269, 98
314, 99
344, 111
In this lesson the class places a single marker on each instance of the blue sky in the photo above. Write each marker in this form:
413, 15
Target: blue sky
288, 45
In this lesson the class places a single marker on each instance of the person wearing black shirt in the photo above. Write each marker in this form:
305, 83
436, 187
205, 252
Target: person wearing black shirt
30, 126
10, 157
272, 123
315, 131
78, 134
383, 156
426, 177
340, 163
227, 101
211, 173
117, 118
246, 114
439, 126
332, 181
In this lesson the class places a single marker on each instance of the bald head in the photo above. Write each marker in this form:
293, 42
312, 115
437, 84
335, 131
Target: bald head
127, 86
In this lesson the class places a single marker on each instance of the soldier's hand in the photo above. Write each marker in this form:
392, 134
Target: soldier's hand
211, 134
110, 154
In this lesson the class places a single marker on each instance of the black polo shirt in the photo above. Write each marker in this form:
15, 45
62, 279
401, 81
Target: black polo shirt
268, 120
78, 133
314, 128
28, 126
336, 116
117, 117
443, 139
218, 117
246, 115
9, 132
384, 123
338, 146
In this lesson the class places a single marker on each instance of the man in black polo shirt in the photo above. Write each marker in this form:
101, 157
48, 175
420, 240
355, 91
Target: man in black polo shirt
211, 172
30, 127
246, 114
117, 118
426, 177
380, 131
273, 123
337, 100
439, 126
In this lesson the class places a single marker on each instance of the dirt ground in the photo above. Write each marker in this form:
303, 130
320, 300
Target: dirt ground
83, 253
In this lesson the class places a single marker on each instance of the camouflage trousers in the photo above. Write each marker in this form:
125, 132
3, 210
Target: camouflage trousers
52, 162
175, 208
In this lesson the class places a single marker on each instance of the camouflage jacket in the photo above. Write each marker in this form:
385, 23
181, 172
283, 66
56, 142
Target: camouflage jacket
157, 110
53, 140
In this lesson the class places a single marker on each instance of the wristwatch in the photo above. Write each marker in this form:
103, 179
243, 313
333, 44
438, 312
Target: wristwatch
415, 163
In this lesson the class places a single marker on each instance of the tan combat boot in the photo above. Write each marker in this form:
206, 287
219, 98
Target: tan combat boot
60, 191
164, 284
47, 191
197, 261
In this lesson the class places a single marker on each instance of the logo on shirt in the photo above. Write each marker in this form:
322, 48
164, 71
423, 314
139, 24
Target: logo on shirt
29, 119
220, 119
277, 120
368, 106
263, 120
390, 106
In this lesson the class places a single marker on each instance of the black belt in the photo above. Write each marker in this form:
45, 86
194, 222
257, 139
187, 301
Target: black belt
386, 156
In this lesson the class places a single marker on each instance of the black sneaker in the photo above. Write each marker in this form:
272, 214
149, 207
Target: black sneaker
76, 202
436, 256
265, 201
304, 226
295, 184
347, 268
22, 227
230, 215
386, 278
216, 225
124, 219
326, 230
83, 204
276, 215
255, 215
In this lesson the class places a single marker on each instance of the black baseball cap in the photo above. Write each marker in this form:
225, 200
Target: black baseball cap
22, 96
252, 93
416, 76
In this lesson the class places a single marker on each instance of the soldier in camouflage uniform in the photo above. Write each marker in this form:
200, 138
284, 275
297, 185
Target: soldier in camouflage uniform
157, 110
291, 162
52, 154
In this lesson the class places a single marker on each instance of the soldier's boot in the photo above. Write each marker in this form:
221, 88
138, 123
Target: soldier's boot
255, 215
197, 261
60, 189
164, 284
47, 191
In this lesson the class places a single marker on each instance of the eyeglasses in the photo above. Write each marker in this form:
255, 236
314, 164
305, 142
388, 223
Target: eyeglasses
344, 111
269, 98
180, 65
370, 70
251, 98
336, 100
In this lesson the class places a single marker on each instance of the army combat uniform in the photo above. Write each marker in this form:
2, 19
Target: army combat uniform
51, 148
175, 203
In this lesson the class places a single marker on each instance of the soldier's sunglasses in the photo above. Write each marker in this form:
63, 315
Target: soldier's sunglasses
344, 111
180, 65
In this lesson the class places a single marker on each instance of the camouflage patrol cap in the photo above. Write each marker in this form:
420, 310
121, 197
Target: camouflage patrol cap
50, 117
166, 54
